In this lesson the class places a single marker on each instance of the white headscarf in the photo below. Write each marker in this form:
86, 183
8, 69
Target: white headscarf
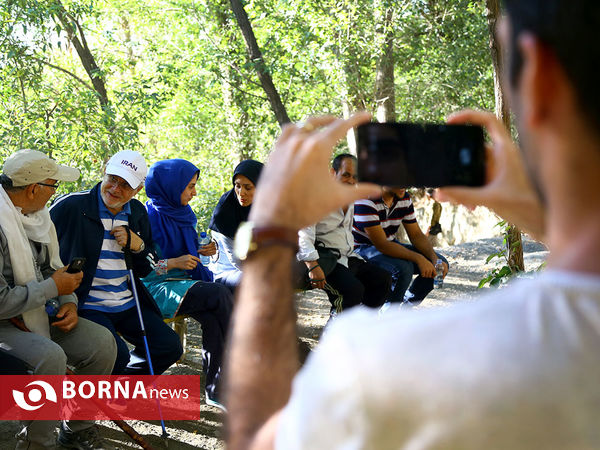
19, 229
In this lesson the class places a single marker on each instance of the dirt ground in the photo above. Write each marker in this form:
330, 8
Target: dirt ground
467, 267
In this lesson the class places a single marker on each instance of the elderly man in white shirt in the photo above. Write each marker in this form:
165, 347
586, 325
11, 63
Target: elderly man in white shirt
327, 251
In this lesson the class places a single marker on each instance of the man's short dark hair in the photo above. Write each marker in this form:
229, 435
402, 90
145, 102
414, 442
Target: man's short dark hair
570, 29
337, 161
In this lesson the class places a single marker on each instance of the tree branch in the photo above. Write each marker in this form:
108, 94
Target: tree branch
71, 74
85, 55
258, 62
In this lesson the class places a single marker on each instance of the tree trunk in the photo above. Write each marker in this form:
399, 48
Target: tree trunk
349, 56
351, 98
236, 116
259, 64
72, 27
385, 96
513, 234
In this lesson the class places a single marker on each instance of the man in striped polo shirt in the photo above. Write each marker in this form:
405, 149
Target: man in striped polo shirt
375, 225
97, 225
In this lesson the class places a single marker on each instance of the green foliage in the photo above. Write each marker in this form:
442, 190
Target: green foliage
499, 275
180, 83
502, 274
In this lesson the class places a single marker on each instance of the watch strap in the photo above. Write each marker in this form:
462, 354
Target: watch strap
267, 236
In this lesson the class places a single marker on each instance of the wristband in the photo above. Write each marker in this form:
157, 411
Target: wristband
249, 238
313, 267
161, 267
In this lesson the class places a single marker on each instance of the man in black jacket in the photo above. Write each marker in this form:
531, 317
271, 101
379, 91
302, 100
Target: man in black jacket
97, 225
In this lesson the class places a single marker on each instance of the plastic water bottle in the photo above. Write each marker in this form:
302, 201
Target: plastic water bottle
204, 239
438, 281
52, 306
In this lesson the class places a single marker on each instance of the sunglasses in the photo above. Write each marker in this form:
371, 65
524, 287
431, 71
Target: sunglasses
55, 185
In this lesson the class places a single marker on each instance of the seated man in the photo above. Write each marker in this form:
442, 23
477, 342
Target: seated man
375, 224
97, 225
327, 250
31, 273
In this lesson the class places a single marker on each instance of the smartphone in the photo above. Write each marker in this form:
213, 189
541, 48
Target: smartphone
421, 155
76, 265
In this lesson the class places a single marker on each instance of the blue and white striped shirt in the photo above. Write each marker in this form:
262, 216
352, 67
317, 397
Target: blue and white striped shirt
110, 287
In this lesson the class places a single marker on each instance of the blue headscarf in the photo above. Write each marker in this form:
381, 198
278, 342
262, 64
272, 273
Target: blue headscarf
173, 225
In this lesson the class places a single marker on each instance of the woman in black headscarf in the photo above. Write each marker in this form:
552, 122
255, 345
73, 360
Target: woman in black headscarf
233, 208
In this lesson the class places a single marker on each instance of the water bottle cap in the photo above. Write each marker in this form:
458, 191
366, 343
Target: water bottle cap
203, 234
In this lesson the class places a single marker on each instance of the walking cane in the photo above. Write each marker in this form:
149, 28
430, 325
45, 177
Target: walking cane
129, 265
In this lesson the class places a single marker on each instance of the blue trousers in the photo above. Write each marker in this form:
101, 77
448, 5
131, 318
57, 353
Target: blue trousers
165, 346
402, 272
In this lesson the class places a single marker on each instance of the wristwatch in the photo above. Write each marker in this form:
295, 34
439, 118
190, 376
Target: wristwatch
141, 249
250, 238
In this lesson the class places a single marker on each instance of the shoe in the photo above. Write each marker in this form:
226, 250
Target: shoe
88, 439
332, 316
383, 309
211, 398
26, 445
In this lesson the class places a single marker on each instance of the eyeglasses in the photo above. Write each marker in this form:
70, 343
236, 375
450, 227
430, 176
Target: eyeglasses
55, 185
114, 180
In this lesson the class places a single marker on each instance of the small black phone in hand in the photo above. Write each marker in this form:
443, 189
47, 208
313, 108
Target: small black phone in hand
76, 265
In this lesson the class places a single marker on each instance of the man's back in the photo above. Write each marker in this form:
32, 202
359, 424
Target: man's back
530, 379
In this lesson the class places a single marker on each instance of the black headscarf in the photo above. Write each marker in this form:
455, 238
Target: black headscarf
228, 214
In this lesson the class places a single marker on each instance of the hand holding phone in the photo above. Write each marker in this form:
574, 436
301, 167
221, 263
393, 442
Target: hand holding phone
76, 265
421, 155
508, 190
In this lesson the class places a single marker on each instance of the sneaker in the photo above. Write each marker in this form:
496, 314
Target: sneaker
26, 445
332, 316
211, 398
88, 439
383, 309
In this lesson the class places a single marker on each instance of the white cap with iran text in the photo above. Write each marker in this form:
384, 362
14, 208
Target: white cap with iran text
27, 167
129, 165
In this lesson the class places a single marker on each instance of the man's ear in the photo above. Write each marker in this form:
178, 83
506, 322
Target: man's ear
30, 191
332, 172
139, 188
539, 81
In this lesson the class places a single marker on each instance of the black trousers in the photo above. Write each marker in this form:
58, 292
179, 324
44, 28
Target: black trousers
10, 365
211, 305
163, 343
360, 282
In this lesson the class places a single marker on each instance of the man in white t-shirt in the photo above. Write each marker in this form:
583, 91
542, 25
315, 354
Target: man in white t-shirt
518, 369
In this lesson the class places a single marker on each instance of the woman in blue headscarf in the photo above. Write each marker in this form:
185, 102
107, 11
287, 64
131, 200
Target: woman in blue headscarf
181, 285
233, 208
